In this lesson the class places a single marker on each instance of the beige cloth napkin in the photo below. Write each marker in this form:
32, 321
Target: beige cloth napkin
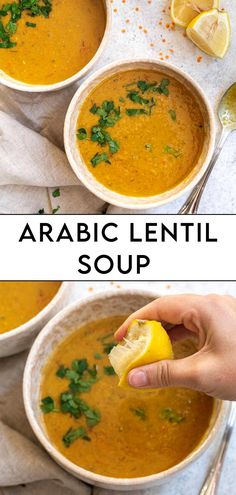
32, 158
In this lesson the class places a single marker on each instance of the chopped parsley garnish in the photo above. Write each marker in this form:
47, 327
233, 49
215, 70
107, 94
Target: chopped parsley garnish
172, 151
41, 211
93, 417
97, 356
98, 158
55, 210
30, 24
81, 378
161, 88
47, 405
136, 98
61, 372
131, 112
108, 346
82, 134
102, 137
109, 370
13, 11
73, 434
56, 193
138, 411
109, 114
173, 115
171, 415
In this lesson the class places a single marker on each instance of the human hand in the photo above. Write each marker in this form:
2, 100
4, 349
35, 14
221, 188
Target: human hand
212, 319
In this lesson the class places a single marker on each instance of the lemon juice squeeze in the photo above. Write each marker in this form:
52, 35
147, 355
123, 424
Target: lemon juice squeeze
145, 343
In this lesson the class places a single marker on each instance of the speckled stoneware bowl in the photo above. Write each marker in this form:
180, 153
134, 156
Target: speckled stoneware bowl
99, 306
22, 337
75, 157
44, 88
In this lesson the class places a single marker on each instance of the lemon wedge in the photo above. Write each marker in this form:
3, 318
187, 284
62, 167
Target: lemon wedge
184, 11
145, 343
210, 31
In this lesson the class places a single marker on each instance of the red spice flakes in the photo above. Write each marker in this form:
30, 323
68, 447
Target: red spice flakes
199, 59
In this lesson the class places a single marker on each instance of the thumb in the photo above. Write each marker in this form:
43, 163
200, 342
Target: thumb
179, 372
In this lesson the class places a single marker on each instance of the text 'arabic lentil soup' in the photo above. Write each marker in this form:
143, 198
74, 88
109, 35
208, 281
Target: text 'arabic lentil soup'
51, 41
112, 431
21, 301
140, 132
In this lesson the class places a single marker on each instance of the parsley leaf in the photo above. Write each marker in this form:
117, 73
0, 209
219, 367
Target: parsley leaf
171, 415
56, 193
92, 416
173, 115
131, 112
73, 434
47, 405
82, 134
172, 151
139, 412
98, 158
109, 370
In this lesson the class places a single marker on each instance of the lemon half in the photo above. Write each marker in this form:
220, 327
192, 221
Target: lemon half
184, 11
145, 343
210, 31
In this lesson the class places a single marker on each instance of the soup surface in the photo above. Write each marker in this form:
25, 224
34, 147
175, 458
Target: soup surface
20, 301
139, 133
52, 49
110, 430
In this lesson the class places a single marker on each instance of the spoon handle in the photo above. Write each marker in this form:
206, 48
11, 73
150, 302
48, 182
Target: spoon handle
211, 482
192, 203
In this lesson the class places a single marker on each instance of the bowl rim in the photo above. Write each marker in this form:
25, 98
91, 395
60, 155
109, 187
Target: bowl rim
27, 326
98, 188
18, 85
75, 470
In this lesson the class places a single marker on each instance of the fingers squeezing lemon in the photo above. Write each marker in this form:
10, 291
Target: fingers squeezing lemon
206, 26
144, 343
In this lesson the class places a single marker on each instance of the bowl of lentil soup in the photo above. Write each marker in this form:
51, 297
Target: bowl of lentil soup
47, 45
25, 307
119, 439
139, 133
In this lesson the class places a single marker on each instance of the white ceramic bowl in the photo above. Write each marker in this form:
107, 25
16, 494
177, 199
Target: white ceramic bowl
22, 337
44, 88
84, 311
75, 157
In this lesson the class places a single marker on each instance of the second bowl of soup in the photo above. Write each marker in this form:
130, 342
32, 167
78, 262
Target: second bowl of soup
139, 134
117, 438
46, 45
25, 307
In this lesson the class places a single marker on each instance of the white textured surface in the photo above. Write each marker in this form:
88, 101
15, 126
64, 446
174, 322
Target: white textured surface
45, 114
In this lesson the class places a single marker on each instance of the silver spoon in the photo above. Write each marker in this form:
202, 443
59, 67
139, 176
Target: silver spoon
210, 484
227, 116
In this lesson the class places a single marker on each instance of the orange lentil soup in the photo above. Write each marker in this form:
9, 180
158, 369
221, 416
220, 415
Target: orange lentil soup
104, 428
140, 133
21, 301
51, 49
